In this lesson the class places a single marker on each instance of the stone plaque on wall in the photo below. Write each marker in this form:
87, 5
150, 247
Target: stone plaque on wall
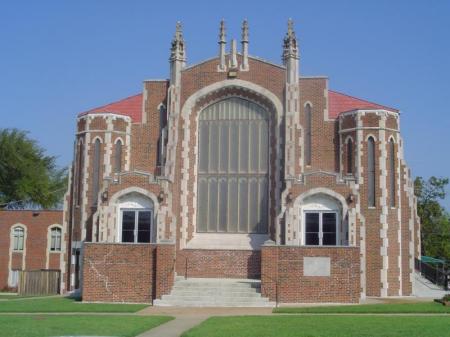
316, 266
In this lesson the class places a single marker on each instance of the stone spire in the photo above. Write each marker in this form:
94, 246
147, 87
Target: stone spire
177, 52
244, 42
177, 55
222, 42
290, 53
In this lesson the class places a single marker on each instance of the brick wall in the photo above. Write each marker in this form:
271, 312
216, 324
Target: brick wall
35, 255
219, 263
284, 265
134, 273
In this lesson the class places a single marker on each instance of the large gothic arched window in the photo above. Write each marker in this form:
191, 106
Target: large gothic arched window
233, 167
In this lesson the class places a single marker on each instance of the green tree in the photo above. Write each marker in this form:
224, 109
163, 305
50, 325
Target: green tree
27, 175
435, 221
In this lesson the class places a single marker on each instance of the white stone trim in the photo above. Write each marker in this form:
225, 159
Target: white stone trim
375, 138
375, 128
368, 111
362, 228
384, 209
84, 204
117, 139
108, 149
398, 188
326, 115
99, 138
94, 114
144, 101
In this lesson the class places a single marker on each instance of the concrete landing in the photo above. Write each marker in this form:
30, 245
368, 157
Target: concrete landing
426, 289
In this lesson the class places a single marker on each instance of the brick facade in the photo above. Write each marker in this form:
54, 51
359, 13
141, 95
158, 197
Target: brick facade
283, 279
159, 133
135, 273
36, 252
244, 264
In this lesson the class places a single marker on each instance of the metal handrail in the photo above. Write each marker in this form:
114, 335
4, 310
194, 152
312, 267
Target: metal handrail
433, 274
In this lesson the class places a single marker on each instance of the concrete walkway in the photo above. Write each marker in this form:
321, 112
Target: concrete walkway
175, 327
187, 318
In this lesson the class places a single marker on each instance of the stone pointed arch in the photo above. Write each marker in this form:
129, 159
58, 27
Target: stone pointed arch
294, 214
322, 190
145, 194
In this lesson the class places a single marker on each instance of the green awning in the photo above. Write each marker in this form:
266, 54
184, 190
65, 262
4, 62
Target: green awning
429, 259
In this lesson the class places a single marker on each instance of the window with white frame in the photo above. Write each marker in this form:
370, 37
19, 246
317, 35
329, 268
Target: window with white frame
18, 238
55, 239
321, 228
233, 168
137, 225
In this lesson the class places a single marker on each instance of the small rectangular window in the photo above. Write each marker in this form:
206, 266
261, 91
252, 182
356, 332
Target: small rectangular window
320, 228
137, 226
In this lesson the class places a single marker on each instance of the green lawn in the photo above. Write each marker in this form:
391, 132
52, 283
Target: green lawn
322, 326
46, 325
399, 308
12, 297
64, 304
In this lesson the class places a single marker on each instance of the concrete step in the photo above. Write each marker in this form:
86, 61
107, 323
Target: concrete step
218, 293
180, 303
209, 287
205, 292
216, 298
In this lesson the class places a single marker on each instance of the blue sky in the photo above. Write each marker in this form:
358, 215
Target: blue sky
58, 58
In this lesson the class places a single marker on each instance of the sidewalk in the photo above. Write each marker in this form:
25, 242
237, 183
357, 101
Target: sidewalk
187, 318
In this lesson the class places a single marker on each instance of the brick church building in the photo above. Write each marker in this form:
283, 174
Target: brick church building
240, 168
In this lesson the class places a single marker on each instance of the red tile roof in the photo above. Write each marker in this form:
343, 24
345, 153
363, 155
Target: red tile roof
130, 106
339, 103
